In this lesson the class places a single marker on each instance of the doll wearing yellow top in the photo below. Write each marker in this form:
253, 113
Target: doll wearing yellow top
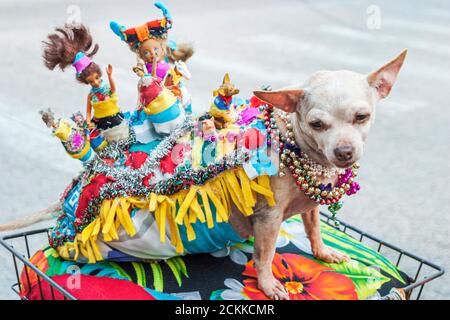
156, 53
73, 45
102, 99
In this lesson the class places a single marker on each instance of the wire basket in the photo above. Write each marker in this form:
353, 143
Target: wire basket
419, 271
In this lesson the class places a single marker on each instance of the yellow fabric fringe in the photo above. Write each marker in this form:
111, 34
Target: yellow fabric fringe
183, 208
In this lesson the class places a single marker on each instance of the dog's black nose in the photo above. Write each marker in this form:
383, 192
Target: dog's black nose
344, 153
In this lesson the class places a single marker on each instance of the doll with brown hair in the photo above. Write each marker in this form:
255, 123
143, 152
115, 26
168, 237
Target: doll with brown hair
73, 45
154, 51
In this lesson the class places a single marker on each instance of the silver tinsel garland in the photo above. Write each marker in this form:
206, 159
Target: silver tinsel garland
117, 150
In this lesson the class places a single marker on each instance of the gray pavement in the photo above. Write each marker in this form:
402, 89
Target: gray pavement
405, 170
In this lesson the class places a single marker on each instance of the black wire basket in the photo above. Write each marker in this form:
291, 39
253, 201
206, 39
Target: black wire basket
419, 271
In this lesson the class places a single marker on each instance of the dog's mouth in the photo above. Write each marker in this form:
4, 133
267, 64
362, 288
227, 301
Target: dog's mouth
344, 164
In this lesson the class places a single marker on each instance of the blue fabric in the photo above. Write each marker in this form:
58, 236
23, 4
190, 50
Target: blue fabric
239, 101
140, 118
118, 256
221, 104
97, 141
161, 6
65, 223
103, 88
188, 108
259, 157
137, 118
172, 44
162, 295
71, 202
86, 156
117, 29
78, 56
128, 116
167, 115
144, 147
209, 240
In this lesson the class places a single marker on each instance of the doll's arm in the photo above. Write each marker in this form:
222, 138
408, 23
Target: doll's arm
169, 81
88, 109
139, 104
112, 84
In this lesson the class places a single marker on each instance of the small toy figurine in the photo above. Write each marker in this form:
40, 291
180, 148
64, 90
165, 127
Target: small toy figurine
209, 129
72, 45
154, 50
97, 140
173, 81
221, 108
162, 107
74, 139
139, 71
79, 120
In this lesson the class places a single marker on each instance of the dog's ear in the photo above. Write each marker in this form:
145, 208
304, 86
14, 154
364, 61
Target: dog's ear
284, 99
384, 78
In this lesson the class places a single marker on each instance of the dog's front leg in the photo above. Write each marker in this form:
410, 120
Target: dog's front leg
311, 220
266, 227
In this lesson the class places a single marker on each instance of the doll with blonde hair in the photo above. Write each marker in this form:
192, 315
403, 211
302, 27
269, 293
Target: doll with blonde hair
156, 53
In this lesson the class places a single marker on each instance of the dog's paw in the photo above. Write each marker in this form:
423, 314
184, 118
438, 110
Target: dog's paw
330, 255
272, 288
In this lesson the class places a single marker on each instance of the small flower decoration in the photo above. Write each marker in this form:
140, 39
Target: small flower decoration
237, 253
234, 291
100, 96
304, 279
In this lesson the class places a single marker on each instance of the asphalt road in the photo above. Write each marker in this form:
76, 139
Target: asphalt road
405, 169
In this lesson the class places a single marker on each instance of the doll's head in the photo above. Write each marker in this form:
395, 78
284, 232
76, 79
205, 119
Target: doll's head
150, 40
72, 45
49, 118
151, 49
79, 119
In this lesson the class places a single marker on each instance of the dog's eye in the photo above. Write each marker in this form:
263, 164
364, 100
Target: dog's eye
362, 117
316, 125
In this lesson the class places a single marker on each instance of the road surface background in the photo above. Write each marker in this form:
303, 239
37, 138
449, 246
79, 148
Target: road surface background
405, 169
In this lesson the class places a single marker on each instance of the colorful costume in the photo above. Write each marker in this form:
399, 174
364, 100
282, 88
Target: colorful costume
164, 185
160, 104
170, 198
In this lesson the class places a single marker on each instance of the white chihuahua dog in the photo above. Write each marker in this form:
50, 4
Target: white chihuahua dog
330, 116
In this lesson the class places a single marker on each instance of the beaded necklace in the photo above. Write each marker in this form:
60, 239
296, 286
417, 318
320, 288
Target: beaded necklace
305, 171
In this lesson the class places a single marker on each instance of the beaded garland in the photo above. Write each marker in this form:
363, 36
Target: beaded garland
305, 171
